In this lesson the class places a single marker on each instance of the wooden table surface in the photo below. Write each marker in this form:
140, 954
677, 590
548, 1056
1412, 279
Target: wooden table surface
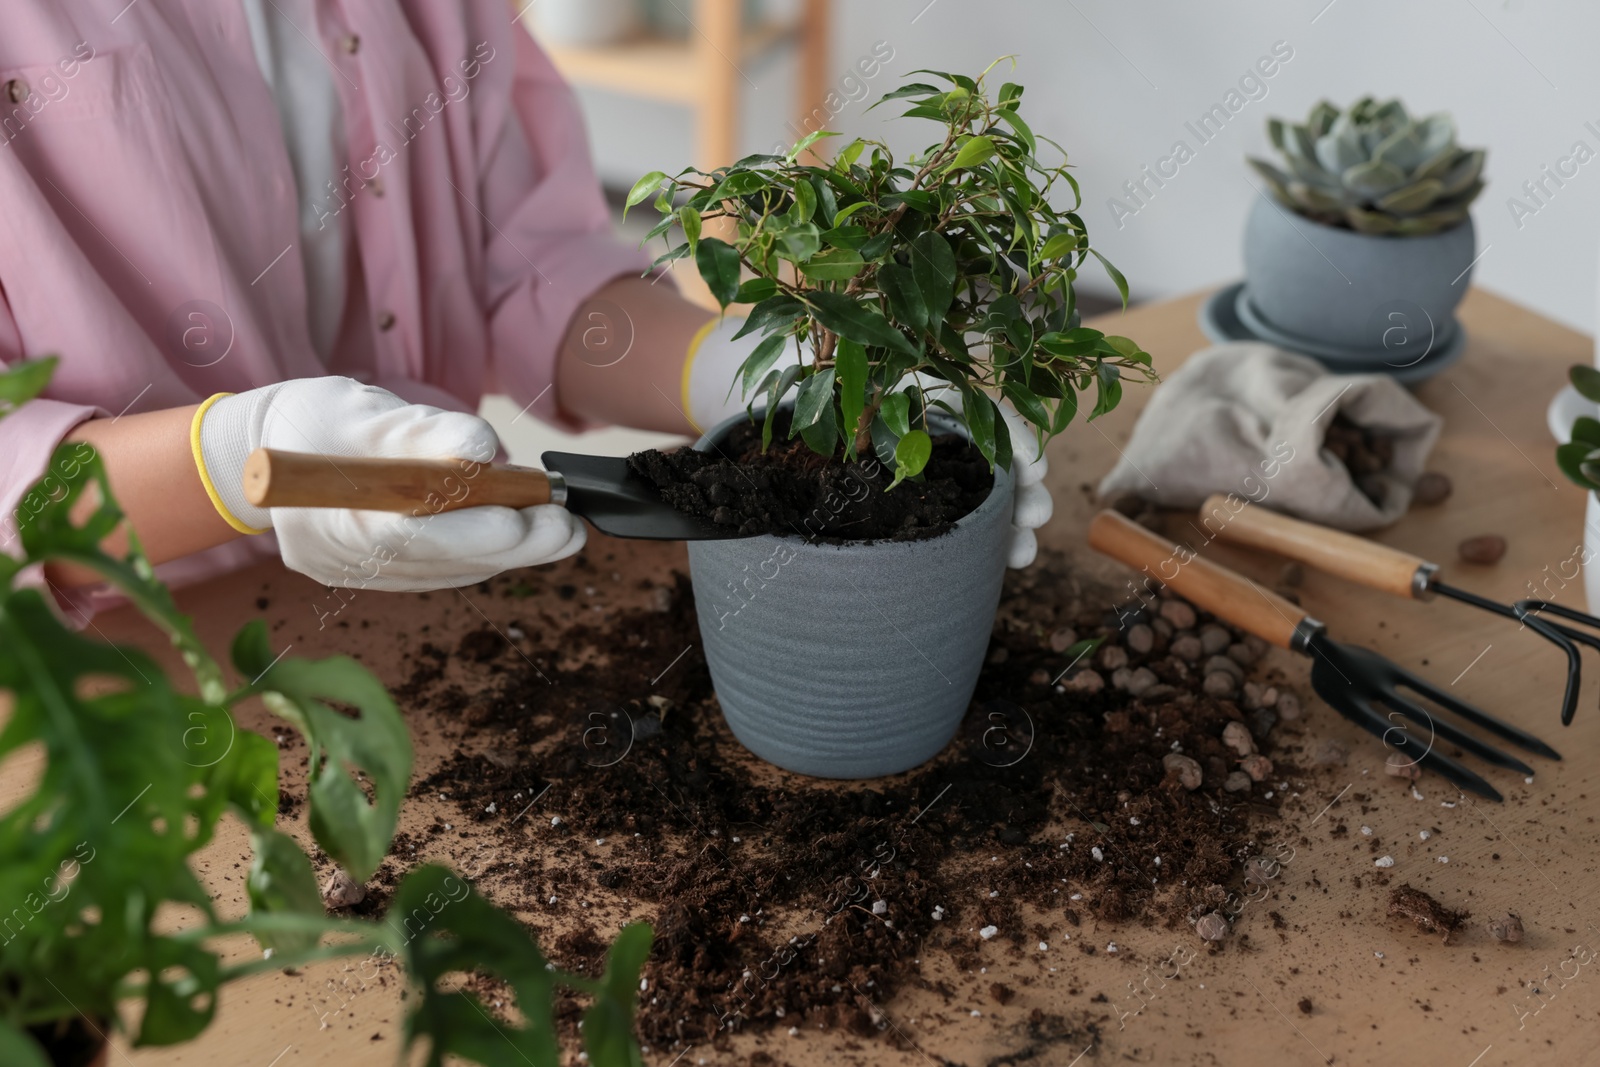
1378, 990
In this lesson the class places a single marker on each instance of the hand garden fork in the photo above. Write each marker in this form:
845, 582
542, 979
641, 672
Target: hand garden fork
1390, 570
1354, 681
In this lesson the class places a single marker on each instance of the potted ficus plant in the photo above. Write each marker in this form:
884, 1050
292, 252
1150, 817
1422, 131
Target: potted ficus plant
1366, 243
95, 859
894, 306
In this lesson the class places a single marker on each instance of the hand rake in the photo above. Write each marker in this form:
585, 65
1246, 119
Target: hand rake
1355, 682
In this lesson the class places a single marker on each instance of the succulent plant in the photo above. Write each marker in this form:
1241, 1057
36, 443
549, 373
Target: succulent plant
1374, 169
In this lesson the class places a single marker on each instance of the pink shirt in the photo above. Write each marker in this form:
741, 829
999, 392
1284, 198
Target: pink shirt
149, 214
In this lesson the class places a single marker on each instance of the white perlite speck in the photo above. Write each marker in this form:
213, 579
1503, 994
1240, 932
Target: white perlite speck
1444, 859
1367, 830
1044, 946
938, 912
880, 907
1424, 834
988, 931
555, 820
1097, 854
1383, 861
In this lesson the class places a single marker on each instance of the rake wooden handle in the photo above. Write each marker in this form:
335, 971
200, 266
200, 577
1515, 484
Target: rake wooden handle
1218, 590
274, 479
1344, 555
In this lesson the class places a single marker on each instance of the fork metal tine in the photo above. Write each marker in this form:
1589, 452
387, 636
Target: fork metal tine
1361, 712
1475, 715
1451, 732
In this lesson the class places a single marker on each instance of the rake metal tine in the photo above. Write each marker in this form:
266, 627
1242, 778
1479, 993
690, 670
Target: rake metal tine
1525, 610
1561, 636
1452, 733
1475, 715
1368, 718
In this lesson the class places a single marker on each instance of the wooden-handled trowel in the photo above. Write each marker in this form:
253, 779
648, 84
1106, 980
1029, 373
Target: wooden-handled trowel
600, 488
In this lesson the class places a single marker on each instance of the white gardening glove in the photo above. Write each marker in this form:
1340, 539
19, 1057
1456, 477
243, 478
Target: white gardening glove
371, 549
715, 357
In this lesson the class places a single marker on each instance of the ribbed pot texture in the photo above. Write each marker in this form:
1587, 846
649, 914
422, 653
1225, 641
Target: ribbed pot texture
855, 660
1353, 289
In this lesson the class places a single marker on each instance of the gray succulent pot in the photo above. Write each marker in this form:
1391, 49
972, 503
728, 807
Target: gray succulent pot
855, 660
1348, 289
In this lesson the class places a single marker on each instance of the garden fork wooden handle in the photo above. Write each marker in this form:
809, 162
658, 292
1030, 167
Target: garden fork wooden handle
274, 479
1215, 588
1344, 555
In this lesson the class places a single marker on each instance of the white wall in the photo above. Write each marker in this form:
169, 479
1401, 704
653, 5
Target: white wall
1115, 81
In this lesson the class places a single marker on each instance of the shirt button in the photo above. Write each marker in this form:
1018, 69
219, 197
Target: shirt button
16, 90
386, 321
350, 43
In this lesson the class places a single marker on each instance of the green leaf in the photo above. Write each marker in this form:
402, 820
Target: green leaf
909, 89
770, 315
978, 412
756, 290
859, 322
760, 362
815, 399
822, 436
1058, 246
1572, 458
739, 183
690, 220
913, 199
19, 1050
805, 202
1586, 380
911, 456
642, 190
852, 237
834, 265
718, 263
807, 141
849, 210
780, 383
1024, 134
876, 247
608, 1025
352, 829
441, 927
850, 361
21, 382
1110, 390
1586, 430
972, 153
933, 265
1115, 275
895, 412
906, 304
1065, 410
800, 241
1029, 405
281, 882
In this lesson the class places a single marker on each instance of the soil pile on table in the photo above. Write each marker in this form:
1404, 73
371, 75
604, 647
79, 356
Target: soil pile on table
784, 901
789, 489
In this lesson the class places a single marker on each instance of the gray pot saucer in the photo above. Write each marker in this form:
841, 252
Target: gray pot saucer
1220, 321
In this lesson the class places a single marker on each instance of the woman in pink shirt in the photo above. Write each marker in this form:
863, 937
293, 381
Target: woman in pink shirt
324, 226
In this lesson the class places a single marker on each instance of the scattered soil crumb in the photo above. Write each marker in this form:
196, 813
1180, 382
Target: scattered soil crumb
1430, 916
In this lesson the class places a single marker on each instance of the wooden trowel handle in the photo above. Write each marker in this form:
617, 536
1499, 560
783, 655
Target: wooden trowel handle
274, 479
1344, 555
1216, 589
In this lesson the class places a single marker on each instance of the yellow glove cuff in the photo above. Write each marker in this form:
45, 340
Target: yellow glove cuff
205, 475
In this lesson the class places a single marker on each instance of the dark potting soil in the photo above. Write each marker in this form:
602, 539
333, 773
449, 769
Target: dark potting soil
789, 489
73, 1042
779, 900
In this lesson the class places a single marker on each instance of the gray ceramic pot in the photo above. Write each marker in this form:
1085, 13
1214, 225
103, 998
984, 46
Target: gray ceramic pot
1350, 289
855, 660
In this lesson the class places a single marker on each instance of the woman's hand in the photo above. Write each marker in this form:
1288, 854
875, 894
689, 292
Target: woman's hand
370, 549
